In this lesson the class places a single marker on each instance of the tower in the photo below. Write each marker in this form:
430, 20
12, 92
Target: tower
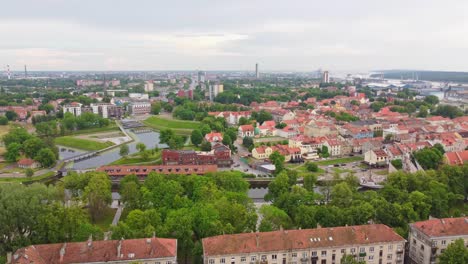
325, 77
8, 72
25, 72
257, 73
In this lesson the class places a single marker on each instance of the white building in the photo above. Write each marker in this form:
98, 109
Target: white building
428, 239
74, 108
149, 86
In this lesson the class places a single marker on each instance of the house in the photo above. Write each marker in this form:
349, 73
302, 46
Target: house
287, 132
456, 158
214, 137
376, 158
141, 250
334, 147
376, 243
28, 164
246, 131
428, 239
289, 153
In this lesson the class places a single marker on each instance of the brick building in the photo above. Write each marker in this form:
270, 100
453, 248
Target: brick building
219, 155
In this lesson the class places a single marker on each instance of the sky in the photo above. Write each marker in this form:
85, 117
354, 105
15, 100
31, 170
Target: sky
292, 35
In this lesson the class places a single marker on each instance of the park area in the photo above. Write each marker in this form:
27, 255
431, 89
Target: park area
182, 127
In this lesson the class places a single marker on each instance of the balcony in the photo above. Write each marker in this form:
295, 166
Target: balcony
399, 250
362, 254
303, 260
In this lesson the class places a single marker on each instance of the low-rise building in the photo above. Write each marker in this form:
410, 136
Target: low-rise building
456, 158
375, 243
428, 239
289, 153
142, 250
376, 158
139, 107
28, 164
219, 155
246, 131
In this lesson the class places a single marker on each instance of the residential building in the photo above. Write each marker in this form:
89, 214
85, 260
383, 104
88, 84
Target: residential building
28, 164
246, 131
149, 86
139, 107
143, 250
334, 147
375, 243
325, 77
456, 158
428, 239
376, 157
214, 137
117, 172
289, 153
74, 108
219, 155
107, 110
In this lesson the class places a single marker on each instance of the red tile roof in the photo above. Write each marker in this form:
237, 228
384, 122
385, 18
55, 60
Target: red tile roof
141, 170
457, 158
298, 239
98, 251
443, 227
26, 162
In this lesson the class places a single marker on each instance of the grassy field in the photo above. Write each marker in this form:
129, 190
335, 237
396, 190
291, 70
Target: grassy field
26, 179
182, 127
106, 220
135, 159
338, 161
109, 128
79, 143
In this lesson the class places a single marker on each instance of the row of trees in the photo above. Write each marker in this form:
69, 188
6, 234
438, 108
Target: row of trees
404, 199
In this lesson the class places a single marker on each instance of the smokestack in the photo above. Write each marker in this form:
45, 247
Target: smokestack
119, 247
62, 251
25, 72
257, 240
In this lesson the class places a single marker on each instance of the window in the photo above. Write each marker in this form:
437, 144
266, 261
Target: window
434, 243
304, 254
243, 259
362, 250
253, 258
211, 261
333, 256
443, 242
314, 253
294, 255
422, 247
414, 241
273, 256
353, 250
168, 262
324, 253
389, 256
371, 257
371, 249
264, 257
390, 247
324, 261
222, 260
343, 251
361, 258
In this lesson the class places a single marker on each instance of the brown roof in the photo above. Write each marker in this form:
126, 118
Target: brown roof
443, 227
26, 162
457, 158
298, 239
123, 170
97, 251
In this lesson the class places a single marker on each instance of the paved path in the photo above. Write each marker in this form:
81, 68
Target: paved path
117, 216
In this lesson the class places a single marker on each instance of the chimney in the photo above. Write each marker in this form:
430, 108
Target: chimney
9, 257
119, 247
62, 251
257, 240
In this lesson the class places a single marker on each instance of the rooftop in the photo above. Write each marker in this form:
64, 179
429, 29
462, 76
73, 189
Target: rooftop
443, 227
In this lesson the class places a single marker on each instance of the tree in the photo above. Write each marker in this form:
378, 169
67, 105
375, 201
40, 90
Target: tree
156, 108
262, 116
324, 152
97, 194
448, 111
273, 219
429, 158
278, 160
3, 121
29, 172
205, 146
397, 163
227, 140
350, 259
46, 157
311, 167
423, 111
456, 253
11, 115
431, 99
32, 146
13, 152
124, 150
243, 121
196, 137
309, 182
247, 142
141, 147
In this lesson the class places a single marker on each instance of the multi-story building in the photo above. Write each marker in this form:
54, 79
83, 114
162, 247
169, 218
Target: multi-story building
428, 239
139, 107
375, 243
106, 110
143, 250
219, 155
149, 86
74, 108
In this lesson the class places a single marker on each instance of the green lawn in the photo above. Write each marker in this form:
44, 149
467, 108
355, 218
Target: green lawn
338, 161
135, 159
183, 127
79, 143
111, 127
26, 179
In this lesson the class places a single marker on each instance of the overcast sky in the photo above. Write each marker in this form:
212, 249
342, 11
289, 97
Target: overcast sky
339, 35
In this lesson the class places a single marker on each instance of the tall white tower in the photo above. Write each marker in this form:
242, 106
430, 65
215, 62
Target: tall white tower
257, 73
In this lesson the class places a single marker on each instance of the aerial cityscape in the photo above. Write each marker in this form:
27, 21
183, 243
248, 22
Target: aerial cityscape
251, 132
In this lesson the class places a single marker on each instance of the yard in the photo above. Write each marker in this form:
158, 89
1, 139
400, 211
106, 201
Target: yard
182, 127
80, 143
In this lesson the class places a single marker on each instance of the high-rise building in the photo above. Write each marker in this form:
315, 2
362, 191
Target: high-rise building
214, 90
149, 86
201, 76
257, 73
325, 77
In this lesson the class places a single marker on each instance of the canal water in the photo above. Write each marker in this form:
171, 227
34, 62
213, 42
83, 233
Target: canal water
150, 139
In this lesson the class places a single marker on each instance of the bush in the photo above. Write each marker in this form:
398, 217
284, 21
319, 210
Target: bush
311, 167
3, 121
29, 172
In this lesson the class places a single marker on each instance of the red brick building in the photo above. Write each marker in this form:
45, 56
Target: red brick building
220, 155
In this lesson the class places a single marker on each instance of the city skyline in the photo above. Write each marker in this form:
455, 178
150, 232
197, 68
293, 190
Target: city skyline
209, 35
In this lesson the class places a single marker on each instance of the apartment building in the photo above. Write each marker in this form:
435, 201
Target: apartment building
144, 250
375, 243
74, 108
428, 239
139, 107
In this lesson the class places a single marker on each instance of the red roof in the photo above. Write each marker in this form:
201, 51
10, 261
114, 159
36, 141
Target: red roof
443, 227
246, 128
457, 158
299, 239
141, 170
26, 162
98, 251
